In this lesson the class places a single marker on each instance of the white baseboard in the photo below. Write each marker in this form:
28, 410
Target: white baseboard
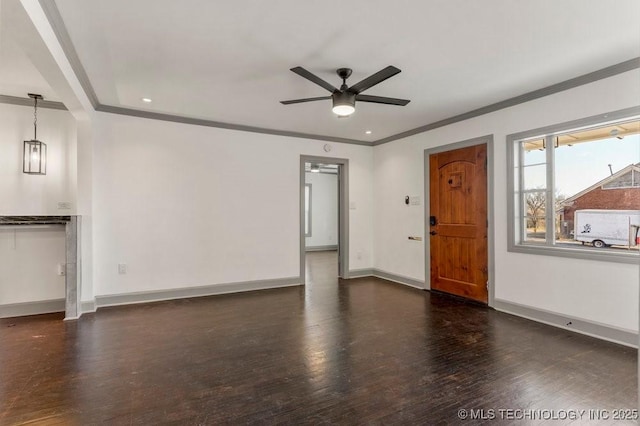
32, 308
87, 306
321, 248
359, 273
183, 293
411, 282
373, 272
590, 328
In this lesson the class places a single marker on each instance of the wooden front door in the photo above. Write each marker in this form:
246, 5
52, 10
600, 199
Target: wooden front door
457, 221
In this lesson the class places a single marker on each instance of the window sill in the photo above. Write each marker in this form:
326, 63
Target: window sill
587, 253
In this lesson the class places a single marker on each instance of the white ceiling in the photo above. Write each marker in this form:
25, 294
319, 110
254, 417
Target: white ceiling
229, 61
18, 74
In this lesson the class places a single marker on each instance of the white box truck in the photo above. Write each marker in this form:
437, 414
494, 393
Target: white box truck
603, 228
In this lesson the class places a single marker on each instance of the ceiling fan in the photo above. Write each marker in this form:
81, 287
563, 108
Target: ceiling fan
344, 99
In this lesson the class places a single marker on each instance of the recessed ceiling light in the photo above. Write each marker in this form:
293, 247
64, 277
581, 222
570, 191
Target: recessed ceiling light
368, 132
147, 100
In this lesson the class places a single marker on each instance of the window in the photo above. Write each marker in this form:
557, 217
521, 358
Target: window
574, 188
628, 180
307, 210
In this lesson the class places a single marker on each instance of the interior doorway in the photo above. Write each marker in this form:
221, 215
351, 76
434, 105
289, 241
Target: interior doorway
324, 213
321, 207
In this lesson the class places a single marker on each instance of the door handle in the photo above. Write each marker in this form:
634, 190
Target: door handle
433, 232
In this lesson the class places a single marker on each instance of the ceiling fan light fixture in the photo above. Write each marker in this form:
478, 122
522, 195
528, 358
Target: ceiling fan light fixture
344, 104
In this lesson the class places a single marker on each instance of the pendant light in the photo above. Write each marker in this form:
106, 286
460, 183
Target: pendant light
35, 152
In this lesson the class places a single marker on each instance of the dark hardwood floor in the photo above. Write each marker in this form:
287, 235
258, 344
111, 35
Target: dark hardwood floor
363, 351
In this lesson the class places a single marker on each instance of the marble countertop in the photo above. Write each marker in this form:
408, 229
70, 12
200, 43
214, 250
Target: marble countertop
34, 220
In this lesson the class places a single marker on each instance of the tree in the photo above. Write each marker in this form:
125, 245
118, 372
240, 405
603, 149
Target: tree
536, 202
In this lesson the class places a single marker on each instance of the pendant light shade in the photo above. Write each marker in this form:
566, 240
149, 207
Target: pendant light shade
34, 157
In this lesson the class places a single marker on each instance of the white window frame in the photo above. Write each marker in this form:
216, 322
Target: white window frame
515, 233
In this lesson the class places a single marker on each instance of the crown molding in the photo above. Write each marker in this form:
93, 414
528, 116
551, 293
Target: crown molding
529, 96
210, 123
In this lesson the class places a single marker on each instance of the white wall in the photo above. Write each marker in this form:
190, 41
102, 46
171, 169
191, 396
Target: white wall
601, 292
29, 259
84, 166
324, 209
29, 256
186, 205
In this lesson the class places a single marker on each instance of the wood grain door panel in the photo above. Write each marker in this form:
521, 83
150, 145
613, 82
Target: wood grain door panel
458, 200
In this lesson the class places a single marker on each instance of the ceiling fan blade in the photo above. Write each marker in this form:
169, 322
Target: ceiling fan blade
298, 101
382, 100
374, 79
313, 78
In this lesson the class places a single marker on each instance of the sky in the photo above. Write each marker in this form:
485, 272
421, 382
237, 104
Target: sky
583, 164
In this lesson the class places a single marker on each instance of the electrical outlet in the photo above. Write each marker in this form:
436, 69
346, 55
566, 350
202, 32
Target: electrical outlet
122, 268
62, 269
64, 205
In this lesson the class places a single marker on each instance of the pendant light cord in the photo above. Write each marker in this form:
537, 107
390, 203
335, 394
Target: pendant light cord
35, 118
